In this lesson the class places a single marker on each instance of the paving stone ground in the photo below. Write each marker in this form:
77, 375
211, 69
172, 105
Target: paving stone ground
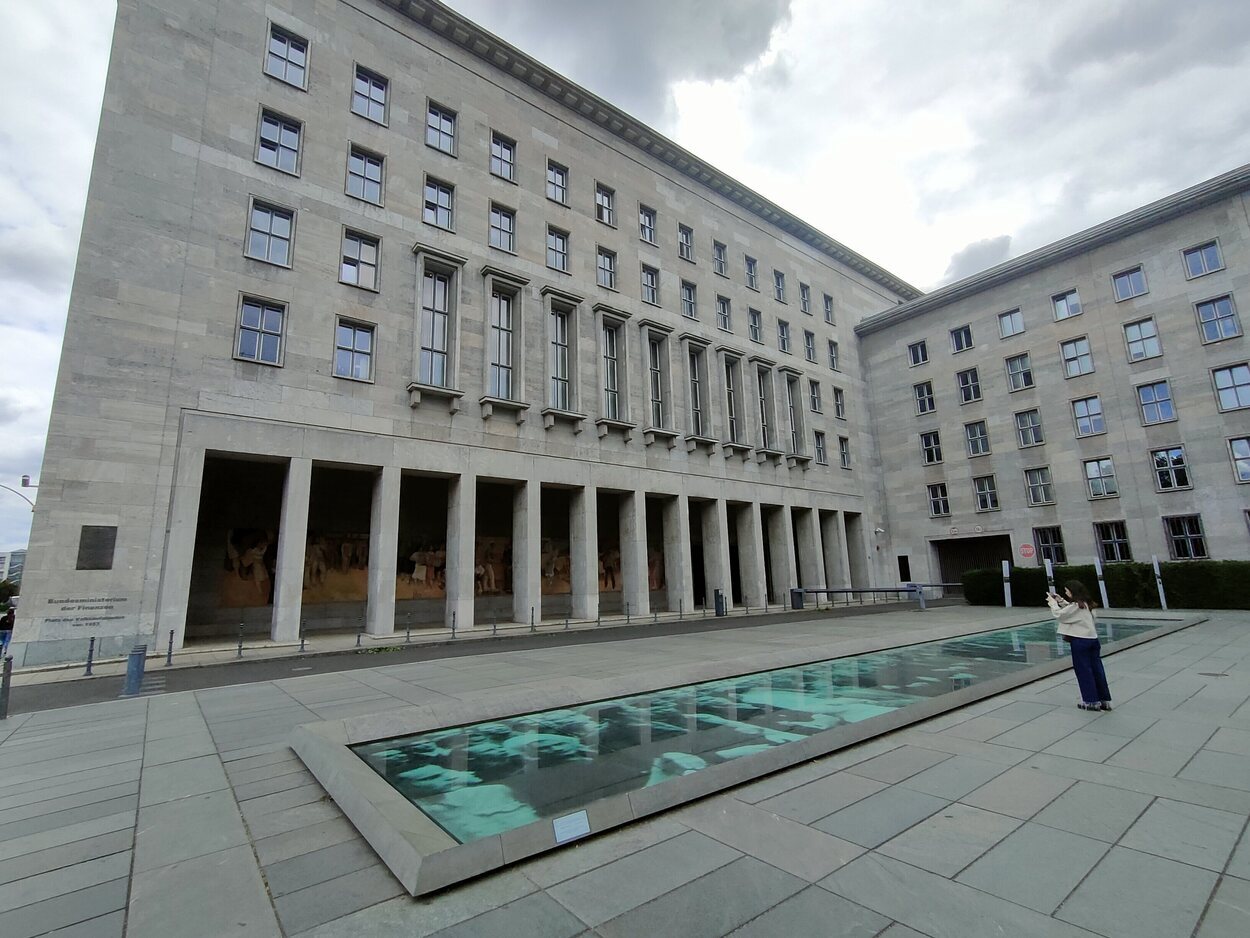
189, 815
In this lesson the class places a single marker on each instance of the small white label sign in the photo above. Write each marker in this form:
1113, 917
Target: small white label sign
571, 826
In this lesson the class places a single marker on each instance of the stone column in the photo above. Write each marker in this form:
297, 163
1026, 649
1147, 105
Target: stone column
716, 570
751, 555
288, 593
811, 558
527, 552
635, 588
584, 552
383, 551
836, 571
461, 540
781, 552
184, 514
678, 577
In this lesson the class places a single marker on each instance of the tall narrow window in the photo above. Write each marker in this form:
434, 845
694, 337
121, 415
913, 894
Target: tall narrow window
755, 325
923, 392
287, 57
805, 299
557, 182
502, 156
753, 273
611, 362
794, 412
779, 286
269, 235
435, 329
369, 95
822, 455
764, 397
720, 259
809, 345
503, 228
839, 404
724, 318
440, 129
560, 398
655, 370
353, 351
814, 401
360, 260
689, 300
557, 249
931, 447
500, 343
828, 309
698, 425
685, 243
364, 175
732, 405
606, 266
650, 285
278, 145
605, 204
844, 451
783, 336
833, 356
439, 207
646, 224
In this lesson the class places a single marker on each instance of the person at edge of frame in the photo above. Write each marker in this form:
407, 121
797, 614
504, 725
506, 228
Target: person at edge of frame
1076, 625
6, 631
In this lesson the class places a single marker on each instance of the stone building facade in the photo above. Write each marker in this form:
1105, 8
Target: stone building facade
1089, 399
377, 321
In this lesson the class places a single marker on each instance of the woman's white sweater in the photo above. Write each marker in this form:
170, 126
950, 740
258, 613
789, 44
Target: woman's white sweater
1074, 620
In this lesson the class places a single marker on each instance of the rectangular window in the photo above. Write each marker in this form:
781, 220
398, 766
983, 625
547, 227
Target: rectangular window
779, 286
793, 411
977, 436
834, 364
724, 314
1077, 358
689, 300
611, 373
440, 201
287, 57
685, 243
986, 491
1232, 386
369, 95
440, 129
839, 404
650, 285
1087, 411
646, 224
1128, 284
1239, 450
809, 345
720, 259
1049, 544
755, 325
1156, 403
961, 339
1029, 428
260, 331
969, 386
278, 145
1171, 471
923, 392
764, 399
1010, 323
557, 182
560, 397
605, 204
500, 343
805, 298
698, 426
606, 266
822, 455
364, 175
813, 396
1142, 339
557, 249
1217, 319
1066, 305
753, 273
1019, 372
1100, 478
1112, 538
353, 351
828, 309
360, 260
939, 500
783, 336
732, 404
502, 156
931, 447
503, 228
436, 296
269, 234
844, 451
1203, 259
1185, 538
917, 353
1038, 486
655, 374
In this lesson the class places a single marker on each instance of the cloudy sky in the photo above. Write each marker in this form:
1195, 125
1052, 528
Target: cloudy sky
937, 139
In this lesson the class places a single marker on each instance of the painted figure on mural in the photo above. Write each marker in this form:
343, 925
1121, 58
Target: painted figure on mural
250, 557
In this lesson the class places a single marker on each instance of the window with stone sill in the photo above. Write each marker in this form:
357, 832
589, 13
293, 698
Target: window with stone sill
278, 142
287, 57
369, 91
353, 350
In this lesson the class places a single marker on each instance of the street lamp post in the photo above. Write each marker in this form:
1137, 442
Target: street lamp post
26, 484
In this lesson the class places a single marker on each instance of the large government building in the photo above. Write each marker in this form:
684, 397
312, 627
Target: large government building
378, 321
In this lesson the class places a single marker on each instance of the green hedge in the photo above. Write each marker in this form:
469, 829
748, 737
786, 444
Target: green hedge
1195, 584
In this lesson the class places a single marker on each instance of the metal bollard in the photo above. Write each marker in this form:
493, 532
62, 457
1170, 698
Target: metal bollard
597, 617
453, 624
566, 623
6, 678
134, 670
359, 634
655, 618
169, 651
90, 656
303, 627
494, 625
240, 654
408, 629
681, 609
627, 613
531, 618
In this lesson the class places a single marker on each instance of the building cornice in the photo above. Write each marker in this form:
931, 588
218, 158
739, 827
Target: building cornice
497, 53
1165, 209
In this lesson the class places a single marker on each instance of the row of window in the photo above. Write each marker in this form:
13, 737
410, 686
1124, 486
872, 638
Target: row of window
1217, 319
280, 136
1168, 464
1184, 535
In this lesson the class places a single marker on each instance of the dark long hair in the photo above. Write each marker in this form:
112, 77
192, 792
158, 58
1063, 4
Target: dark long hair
1080, 595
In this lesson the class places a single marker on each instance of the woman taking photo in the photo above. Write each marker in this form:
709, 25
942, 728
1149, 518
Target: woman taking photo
1076, 625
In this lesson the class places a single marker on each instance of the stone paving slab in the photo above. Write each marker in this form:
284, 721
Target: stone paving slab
949, 840
1094, 811
1036, 866
814, 906
1229, 911
1188, 833
877, 818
